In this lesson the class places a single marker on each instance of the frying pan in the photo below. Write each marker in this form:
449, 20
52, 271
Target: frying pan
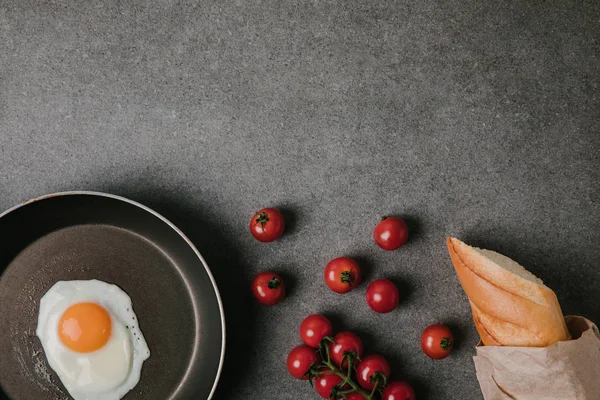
89, 235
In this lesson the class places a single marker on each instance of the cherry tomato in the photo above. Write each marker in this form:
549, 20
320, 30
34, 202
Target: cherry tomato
398, 391
345, 342
382, 296
437, 341
268, 288
391, 233
314, 328
355, 396
325, 383
371, 370
300, 360
342, 274
267, 225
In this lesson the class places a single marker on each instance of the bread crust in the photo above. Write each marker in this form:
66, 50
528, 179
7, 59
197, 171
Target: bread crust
508, 310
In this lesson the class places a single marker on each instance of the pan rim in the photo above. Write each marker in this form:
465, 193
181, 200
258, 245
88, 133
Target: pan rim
179, 232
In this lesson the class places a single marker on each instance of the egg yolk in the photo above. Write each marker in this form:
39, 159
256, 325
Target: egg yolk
84, 327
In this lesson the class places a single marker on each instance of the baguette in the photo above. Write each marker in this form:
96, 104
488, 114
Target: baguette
510, 305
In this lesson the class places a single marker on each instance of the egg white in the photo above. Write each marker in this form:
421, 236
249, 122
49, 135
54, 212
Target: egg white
105, 374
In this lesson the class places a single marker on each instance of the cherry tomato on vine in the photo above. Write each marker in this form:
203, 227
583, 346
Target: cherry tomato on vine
325, 383
300, 360
437, 341
314, 328
398, 390
268, 288
391, 233
355, 396
343, 343
267, 225
382, 296
373, 369
342, 274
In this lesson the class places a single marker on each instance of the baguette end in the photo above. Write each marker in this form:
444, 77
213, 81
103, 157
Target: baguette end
510, 306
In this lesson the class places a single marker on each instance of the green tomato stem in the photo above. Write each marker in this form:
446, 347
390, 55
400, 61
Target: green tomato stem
346, 377
327, 354
374, 389
348, 380
349, 369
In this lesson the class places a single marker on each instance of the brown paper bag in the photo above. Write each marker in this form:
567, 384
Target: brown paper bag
568, 370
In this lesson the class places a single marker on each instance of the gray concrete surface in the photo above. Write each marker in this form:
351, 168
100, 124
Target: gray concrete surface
475, 119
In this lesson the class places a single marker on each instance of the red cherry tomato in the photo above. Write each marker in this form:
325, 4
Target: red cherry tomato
391, 233
342, 274
437, 341
300, 360
268, 288
398, 391
371, 370
267, 225
314, 328
382, 296
355, 396
325, 383
345, 342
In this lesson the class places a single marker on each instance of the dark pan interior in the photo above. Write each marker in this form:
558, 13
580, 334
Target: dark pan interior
84, 236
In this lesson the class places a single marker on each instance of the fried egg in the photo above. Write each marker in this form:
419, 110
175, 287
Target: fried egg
92, 339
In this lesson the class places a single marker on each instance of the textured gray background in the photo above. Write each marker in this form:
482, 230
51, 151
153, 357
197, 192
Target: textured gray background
472, 119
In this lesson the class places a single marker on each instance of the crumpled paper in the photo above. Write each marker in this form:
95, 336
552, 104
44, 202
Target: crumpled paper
568, 370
